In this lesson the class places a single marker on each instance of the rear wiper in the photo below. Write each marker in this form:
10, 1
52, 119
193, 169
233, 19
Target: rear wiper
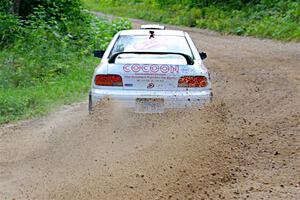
188, 58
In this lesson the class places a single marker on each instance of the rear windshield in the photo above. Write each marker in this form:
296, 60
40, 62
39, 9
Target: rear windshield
176, 44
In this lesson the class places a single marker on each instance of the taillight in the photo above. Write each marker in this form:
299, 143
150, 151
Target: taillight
193, 81
108, 80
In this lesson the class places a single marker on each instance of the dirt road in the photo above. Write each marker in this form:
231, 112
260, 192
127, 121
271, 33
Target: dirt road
244, 145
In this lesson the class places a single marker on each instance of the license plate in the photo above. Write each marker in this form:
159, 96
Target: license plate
149, 105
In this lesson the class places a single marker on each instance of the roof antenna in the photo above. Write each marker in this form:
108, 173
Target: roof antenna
151, 34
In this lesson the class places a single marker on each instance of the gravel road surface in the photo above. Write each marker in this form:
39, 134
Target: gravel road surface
243, 145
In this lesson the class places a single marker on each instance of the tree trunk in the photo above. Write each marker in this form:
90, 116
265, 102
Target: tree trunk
16, 7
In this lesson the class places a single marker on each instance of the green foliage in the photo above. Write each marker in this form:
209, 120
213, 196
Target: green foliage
70, 9
278, 19
10, 29
46, 62
23, 102
5, 6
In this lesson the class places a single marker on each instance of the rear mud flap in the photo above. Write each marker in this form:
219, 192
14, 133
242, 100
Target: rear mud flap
90, 106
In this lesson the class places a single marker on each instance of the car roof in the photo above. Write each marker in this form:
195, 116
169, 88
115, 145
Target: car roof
156, 32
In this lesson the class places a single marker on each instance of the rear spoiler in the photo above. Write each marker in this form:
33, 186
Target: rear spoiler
153, 26
188, 58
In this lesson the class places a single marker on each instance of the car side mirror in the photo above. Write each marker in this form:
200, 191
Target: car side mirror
203, 55
98, 53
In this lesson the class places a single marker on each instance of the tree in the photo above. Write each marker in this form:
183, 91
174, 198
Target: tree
16, 7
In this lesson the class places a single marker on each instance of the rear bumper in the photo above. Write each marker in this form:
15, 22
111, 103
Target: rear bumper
172, 99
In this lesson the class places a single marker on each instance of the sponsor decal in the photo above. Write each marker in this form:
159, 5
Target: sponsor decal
148, 45
150, 85
128, 84
149, 77
151, 68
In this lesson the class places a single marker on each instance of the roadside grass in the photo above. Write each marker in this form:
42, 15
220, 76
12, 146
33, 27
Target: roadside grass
280, 21
35, 100
47, 63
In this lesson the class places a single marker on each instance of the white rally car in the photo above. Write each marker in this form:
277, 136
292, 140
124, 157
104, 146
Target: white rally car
150, 70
